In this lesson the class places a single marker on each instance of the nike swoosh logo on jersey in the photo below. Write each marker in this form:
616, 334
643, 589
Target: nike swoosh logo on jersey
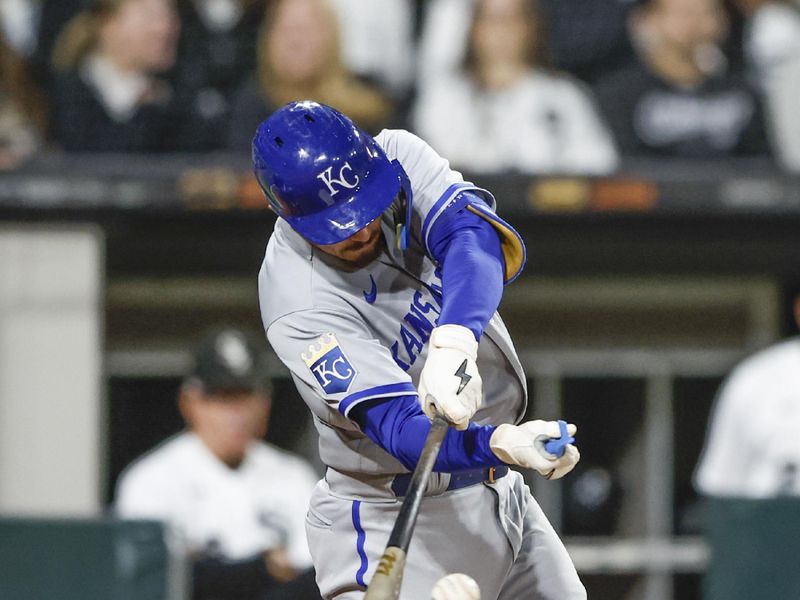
373, 292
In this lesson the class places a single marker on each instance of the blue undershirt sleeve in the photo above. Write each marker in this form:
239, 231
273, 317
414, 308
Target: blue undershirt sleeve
399, 426
468, 249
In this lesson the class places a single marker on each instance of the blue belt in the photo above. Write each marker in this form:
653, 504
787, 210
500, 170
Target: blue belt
458, 480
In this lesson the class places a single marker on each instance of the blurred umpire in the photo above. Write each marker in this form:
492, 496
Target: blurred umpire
237, 503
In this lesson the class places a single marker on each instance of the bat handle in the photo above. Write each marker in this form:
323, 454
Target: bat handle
556, 446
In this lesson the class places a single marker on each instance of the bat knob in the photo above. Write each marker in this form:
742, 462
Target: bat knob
555, 446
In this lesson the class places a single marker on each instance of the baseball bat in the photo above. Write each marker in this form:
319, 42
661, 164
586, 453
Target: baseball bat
385, 584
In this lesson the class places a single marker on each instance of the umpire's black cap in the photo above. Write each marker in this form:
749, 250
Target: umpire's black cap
226, 360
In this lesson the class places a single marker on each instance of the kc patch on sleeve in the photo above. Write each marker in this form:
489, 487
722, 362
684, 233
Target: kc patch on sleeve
329, 365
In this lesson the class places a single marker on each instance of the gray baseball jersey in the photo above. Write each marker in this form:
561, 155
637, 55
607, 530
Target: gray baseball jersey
350, 335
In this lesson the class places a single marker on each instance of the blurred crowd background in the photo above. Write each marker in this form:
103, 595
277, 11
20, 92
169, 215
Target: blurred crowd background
648, 151
495, 85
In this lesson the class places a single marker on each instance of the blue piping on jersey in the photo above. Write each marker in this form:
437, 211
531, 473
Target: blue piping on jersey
361, 536
380, 391
448, 195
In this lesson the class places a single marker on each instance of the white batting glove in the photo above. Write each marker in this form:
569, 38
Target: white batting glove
523, 445
456, 586
450, 384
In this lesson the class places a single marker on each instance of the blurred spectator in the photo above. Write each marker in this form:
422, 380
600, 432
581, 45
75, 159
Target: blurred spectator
238, 503
443, 39
772, 49
19, 22
22, 110
299, 57
216, 53
107, 95
31, 28
505, 110
388, 25
752, 448
53, 15
589, 38
680, 100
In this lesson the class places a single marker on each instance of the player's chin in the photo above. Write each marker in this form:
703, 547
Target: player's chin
363, 256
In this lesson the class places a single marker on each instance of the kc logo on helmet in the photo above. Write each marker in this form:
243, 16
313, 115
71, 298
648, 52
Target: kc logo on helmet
329, 365
329, 180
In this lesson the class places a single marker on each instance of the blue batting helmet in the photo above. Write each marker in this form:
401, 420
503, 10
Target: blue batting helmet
321, 173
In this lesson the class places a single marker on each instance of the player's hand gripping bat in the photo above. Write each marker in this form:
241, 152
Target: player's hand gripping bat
544, 446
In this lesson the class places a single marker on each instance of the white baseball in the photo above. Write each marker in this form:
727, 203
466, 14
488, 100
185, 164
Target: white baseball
456, 586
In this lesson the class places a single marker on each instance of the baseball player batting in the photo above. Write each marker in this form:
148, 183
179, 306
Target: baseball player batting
379, 292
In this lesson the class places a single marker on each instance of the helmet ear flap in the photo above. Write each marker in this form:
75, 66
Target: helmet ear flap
406, 201
275, 202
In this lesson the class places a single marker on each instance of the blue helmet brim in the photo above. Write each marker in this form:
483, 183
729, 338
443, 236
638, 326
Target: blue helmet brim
337, 223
